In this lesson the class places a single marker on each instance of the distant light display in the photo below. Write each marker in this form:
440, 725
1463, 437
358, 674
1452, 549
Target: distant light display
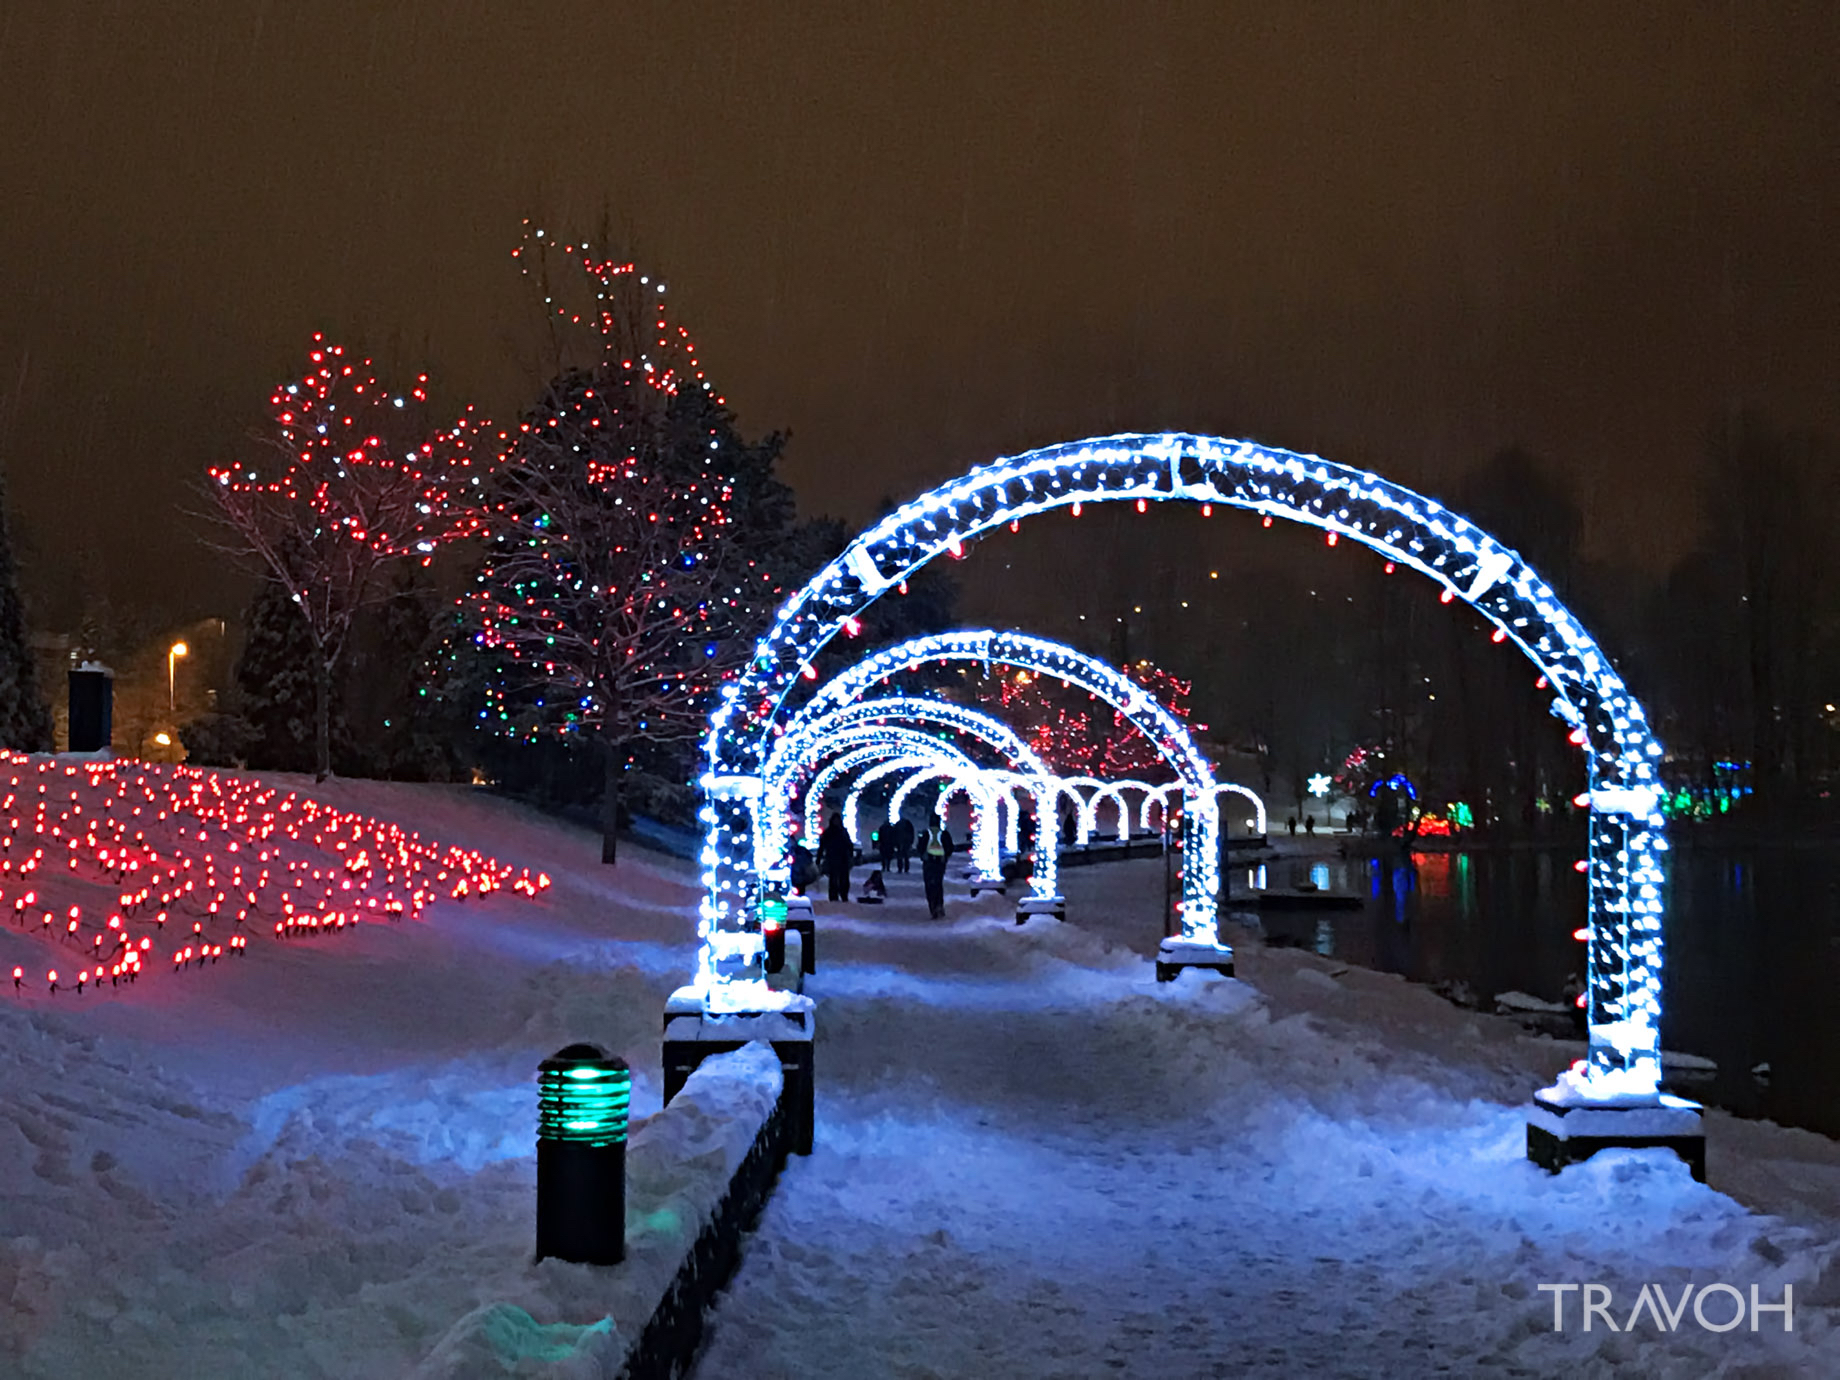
1162, 729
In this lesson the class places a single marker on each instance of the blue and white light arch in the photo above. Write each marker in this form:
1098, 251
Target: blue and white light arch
896, 722
980, 794
883, 752
1166, 733
794, 750
1627, 839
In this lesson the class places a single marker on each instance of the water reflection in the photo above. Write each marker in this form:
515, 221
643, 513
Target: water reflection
1753, 951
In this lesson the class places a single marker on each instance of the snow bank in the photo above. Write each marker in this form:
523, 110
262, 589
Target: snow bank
679, 1167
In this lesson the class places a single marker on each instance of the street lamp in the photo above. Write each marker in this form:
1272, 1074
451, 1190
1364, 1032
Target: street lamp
173, 653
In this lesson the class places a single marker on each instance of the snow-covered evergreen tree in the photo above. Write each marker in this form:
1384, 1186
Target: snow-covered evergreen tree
274, 682
25, 720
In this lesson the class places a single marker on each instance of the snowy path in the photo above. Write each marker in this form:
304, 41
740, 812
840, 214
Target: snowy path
1033, 1161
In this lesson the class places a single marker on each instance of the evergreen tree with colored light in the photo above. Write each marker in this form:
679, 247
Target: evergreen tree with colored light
346, 481
625, 577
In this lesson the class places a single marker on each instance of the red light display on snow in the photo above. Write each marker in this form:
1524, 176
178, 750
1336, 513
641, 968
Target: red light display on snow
211, 851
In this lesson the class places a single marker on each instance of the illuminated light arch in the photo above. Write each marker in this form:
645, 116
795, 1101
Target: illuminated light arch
859, 745
1148, 795
908, 748
1012, 811
1121, 809
802, 735
1623, 921
808, 729
1256, 823
982, 837
981, 796
1258, 805
871, 747
1138, 706
920, 752
1086, 809
852, 804
863, 757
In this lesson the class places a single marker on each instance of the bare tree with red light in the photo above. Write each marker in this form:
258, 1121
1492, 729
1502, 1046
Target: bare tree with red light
629, 522
1077, 734
344, 482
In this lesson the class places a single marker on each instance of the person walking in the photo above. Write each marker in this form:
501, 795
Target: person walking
1309, 824
884, 846
935, 850
1070, 824
836, 855
903, 841
1290, 823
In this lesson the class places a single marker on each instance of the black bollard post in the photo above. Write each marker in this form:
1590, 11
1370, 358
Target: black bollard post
582, 1098
773, 933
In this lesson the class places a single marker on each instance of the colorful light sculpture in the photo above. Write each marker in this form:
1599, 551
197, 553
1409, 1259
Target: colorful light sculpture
1627, 845
894, 720
1165, 732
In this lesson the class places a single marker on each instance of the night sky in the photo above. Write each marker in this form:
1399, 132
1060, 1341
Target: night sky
923, 235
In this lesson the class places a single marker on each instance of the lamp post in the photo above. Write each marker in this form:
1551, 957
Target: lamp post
582, 1097
173, 653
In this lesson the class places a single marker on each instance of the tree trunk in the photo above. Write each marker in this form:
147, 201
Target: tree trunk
612, 788
322, 719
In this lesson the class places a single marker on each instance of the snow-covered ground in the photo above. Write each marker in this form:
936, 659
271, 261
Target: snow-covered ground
1032, 1159
317, 1159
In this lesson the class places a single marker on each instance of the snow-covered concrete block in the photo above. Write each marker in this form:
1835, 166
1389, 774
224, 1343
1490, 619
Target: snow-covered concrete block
1030, 906
986, 881
690, 1037
1562, 1131
1173, 955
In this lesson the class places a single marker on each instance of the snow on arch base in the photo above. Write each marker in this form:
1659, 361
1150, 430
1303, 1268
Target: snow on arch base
1627, 847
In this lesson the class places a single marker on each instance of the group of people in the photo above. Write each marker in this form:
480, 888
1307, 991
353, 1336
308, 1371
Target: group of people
895, 846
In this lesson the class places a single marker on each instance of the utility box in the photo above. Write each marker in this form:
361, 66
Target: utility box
92, 707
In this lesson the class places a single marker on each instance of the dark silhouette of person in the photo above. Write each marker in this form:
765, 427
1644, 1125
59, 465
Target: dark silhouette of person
804, 869
1070, 824
836, 856
1290, 823
884, 846
903, 841
1309, 824
935, 850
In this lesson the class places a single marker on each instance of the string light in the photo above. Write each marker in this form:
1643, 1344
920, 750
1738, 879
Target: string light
1406, 528
614, 578
1158, 725
217, 850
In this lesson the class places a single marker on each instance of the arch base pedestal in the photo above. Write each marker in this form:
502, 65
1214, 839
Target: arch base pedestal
1030, 906
1562, 1132
691, 1036
987, 881
799, 917
1173, 955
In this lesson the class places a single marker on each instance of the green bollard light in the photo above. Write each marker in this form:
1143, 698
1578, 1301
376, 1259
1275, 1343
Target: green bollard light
773, 932
583, 1095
